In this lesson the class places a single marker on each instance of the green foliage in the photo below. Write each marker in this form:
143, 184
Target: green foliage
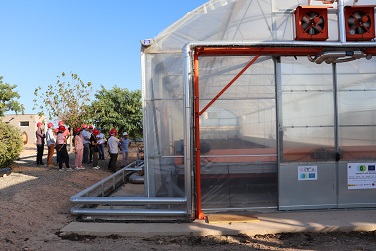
8, 98
10, 144
118, 108
65, 100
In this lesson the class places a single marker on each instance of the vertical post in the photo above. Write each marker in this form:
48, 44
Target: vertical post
335, 101
149, 172
278, 100
336, 140
341, 21
199, 214
188, 173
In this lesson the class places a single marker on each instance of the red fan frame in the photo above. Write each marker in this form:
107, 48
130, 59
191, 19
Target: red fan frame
368, 33
309, 13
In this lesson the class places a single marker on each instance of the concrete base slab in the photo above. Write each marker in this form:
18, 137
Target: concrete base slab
230, 218
270, 223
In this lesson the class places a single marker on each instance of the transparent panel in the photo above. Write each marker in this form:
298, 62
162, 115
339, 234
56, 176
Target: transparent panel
234, 20
230, 182
357, 109
165, 80
164, 158
307, 111
238, 134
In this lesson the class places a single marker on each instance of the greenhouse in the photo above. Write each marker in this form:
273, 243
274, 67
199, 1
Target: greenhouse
257, 105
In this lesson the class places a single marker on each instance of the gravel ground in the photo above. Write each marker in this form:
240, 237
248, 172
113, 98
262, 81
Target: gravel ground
35, 205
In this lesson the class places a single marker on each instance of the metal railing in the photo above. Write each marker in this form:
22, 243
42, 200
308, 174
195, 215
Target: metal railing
88, 200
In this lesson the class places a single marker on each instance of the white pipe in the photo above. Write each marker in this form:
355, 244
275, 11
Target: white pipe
135, 178
188, 111
341, 21
337, 57
129, 200
356, 55
299, 43
139, 212
330, 55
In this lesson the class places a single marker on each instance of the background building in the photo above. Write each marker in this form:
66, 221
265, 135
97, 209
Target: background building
27, 123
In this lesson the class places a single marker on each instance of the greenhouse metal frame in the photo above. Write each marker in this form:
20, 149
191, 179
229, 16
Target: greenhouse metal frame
253, 105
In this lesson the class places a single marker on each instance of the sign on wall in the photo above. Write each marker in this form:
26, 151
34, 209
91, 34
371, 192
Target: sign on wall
361, 175
307, 172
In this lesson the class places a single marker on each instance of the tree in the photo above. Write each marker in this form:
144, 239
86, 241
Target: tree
7, 99
10, 144
67, 101
118, 108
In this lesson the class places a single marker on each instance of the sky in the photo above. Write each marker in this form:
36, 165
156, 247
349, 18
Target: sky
97, 40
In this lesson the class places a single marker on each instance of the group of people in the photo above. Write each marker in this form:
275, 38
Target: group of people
89, 146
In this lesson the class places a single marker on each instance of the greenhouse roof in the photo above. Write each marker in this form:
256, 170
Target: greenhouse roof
241, 21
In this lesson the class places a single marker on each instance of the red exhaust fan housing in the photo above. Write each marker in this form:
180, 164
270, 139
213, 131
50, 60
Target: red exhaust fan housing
360, 23
311, 23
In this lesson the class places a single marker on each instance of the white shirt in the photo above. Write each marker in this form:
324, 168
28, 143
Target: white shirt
85, 134
100, 138
50, 137
113, 145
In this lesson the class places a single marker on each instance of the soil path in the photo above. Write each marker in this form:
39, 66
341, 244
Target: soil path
34, 206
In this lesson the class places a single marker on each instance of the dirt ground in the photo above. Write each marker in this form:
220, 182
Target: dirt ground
34, 206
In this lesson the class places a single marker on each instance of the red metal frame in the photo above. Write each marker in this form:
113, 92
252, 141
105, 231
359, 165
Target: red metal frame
245, 51
199, 214
301, 33
368, 35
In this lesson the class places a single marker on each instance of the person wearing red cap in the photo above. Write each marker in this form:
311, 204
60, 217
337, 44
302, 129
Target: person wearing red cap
94, 148
90, 148
40, 135
61, 147
50, 139
78, 149
113, 149
86, 141
101, 140
66, 131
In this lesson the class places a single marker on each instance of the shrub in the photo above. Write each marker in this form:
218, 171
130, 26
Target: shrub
10, 144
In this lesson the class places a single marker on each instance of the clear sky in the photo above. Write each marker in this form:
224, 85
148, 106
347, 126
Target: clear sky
98, 40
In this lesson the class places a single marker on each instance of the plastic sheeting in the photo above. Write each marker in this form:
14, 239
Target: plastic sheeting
238, 132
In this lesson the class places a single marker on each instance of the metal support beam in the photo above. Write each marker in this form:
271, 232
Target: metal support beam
129, 200
135, 212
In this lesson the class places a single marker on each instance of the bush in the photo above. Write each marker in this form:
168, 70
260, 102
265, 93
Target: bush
10, 144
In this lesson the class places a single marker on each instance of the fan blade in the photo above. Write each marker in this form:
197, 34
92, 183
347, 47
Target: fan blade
358, 14
312, 23
306, 19
321, 22
311, 31
312, 14
360, 30
317, 28
367, 25
359, 22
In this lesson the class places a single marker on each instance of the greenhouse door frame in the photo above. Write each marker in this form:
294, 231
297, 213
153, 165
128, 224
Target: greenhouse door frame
256, 52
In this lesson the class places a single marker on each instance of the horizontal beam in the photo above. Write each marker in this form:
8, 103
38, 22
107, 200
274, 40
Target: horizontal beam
272, 51
124, 212
128, 200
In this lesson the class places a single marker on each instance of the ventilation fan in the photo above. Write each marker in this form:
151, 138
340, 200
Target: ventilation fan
360, 23
311, 23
